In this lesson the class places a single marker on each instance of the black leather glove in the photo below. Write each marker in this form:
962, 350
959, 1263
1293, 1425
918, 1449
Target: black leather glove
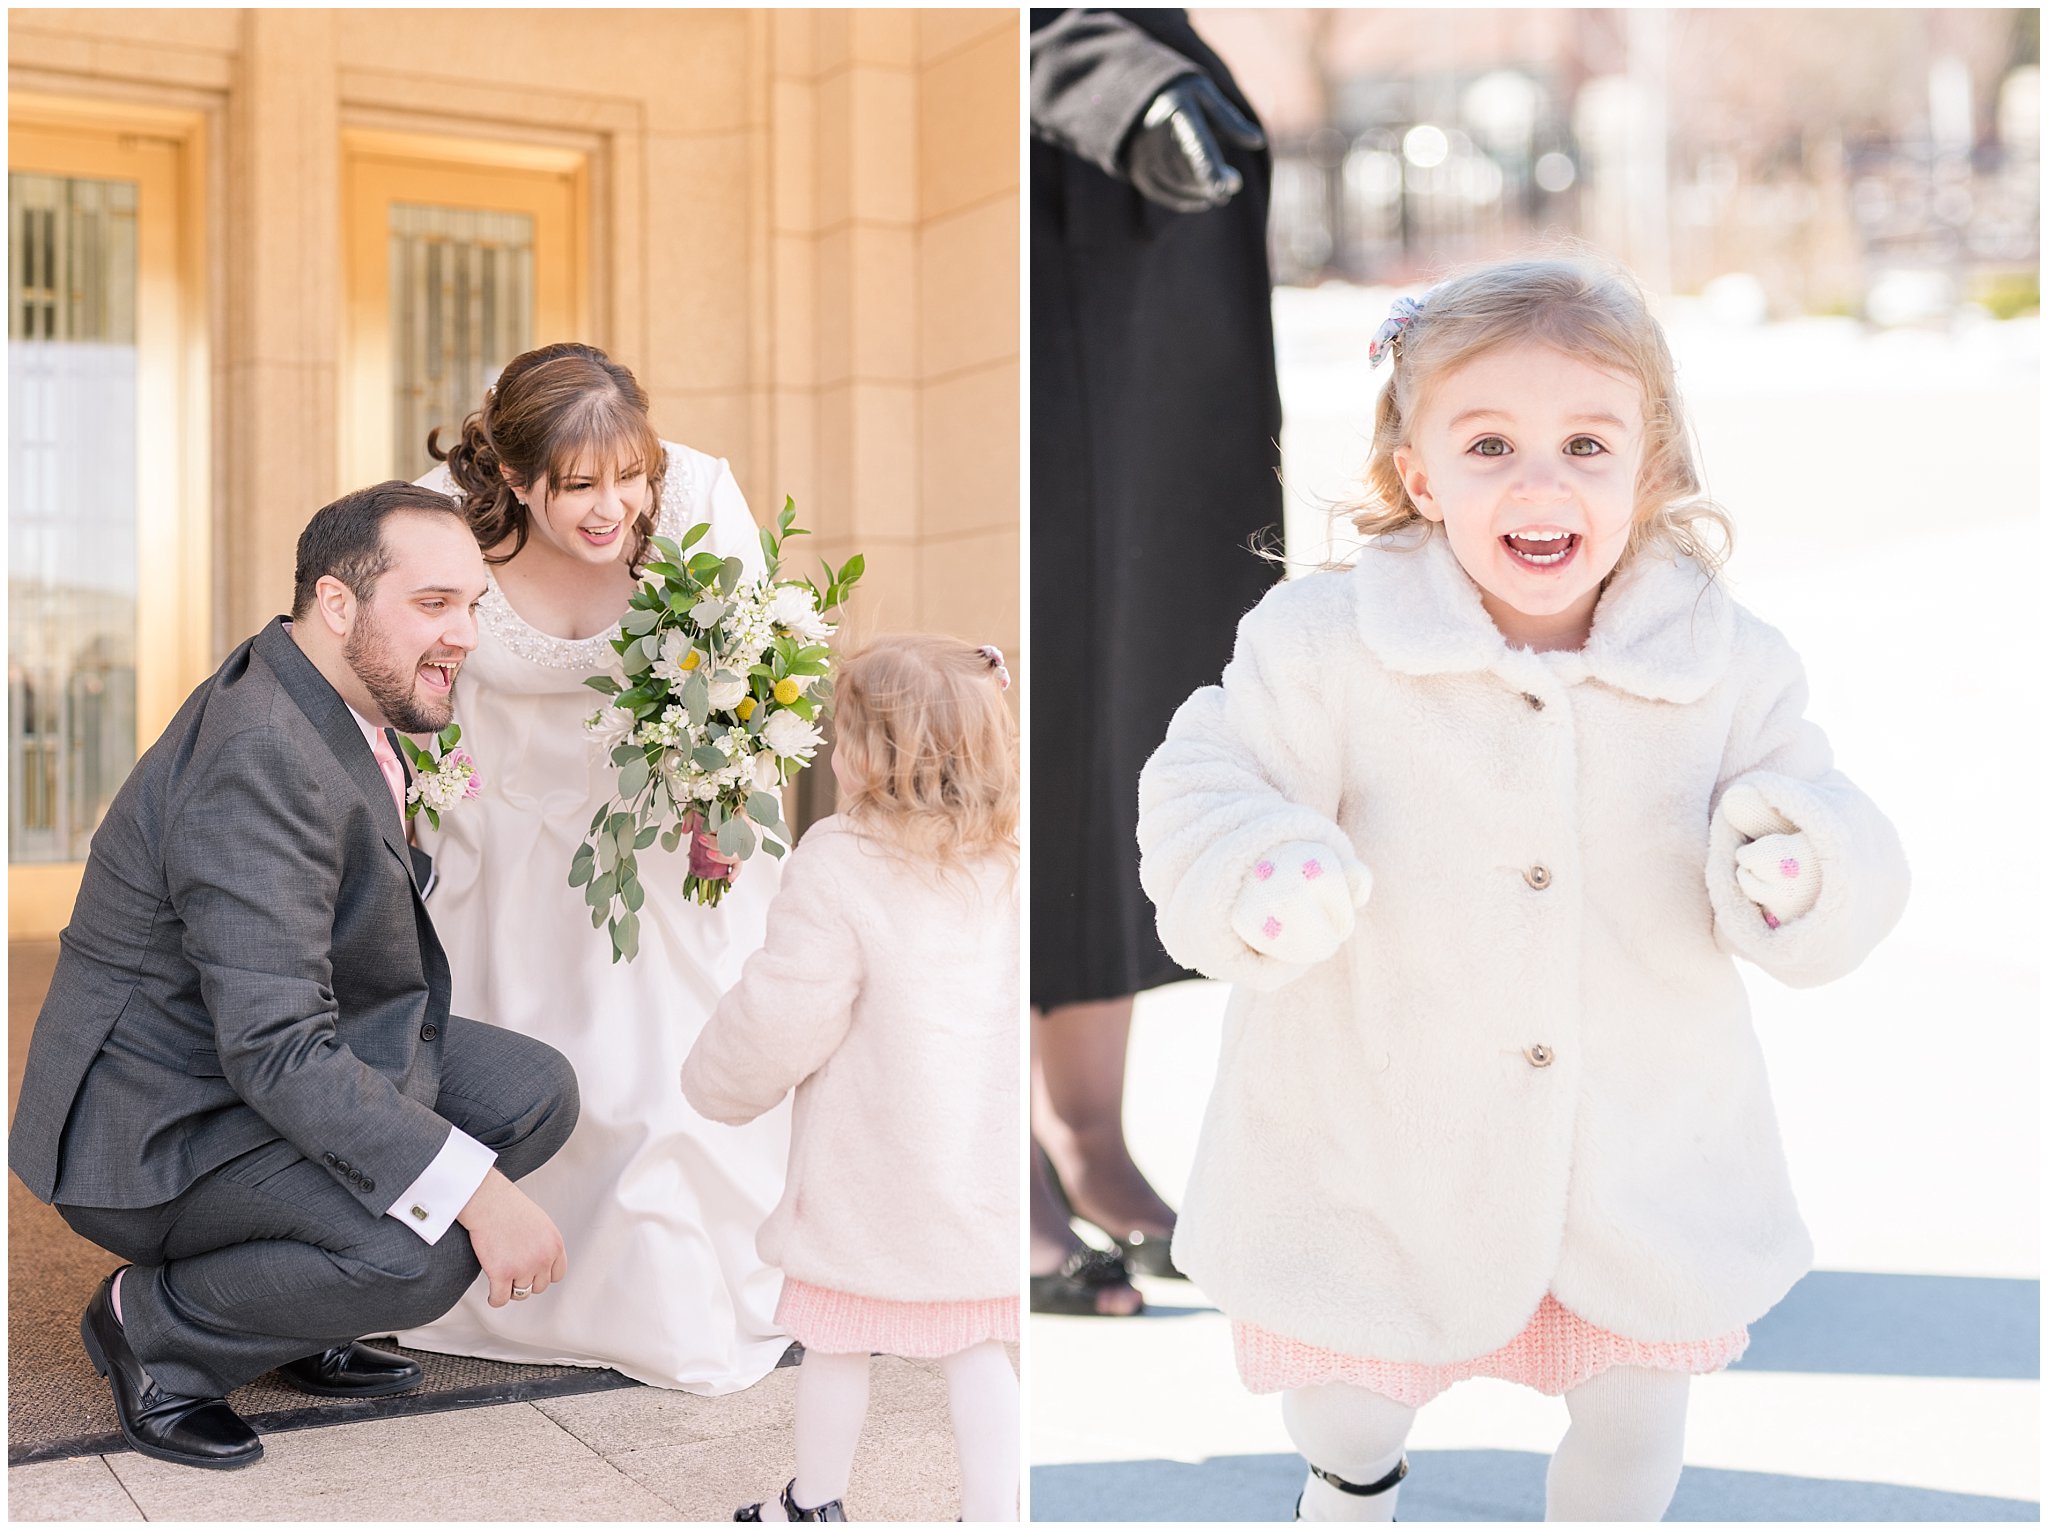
1172, 157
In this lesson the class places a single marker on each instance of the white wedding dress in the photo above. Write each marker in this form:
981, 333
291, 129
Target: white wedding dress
657, 1206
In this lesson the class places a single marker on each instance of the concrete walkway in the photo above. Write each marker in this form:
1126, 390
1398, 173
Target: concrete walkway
639, 1454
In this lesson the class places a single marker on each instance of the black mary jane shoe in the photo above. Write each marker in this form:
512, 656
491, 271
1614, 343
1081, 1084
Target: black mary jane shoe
1369, 1490
189, 1431
352, 1370
831, 1513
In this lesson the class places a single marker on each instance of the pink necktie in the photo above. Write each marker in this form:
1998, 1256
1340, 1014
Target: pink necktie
394, 774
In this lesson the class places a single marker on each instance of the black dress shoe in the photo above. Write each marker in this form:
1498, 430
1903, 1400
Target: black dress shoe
191, 1431
352, 1370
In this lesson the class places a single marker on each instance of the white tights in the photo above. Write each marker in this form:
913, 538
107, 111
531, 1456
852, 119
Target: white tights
1619, 1459
832, 1404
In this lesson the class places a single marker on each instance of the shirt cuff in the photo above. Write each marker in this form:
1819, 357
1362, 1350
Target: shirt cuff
428, 1205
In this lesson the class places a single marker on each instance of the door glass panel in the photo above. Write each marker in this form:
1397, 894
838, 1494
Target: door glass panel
71, 518
461, 307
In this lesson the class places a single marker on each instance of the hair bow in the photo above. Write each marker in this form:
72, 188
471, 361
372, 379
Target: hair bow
994, 655
1387, 342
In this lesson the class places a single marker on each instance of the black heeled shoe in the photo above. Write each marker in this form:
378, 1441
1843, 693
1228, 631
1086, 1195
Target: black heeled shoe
352, 1370
1072, 1289
189, 1431
833, 1512
1369, 1490
1143, 1253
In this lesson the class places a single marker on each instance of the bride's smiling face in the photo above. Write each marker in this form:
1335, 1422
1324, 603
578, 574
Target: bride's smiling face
589, 512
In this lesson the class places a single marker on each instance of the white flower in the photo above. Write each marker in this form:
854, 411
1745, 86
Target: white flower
791, 737
707, 612
728, 690
675, 647
609, 728
793, 609
767, 772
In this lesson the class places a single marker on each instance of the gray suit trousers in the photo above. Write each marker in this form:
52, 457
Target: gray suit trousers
269, 1257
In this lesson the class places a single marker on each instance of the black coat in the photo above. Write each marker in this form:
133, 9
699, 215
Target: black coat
1155, 421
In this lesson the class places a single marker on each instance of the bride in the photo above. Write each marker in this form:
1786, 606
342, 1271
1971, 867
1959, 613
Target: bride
563, 479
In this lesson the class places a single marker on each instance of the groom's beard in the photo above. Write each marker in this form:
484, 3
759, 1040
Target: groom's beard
394, 689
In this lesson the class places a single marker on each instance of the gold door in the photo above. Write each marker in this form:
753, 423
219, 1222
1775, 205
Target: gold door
460, 256
108, 544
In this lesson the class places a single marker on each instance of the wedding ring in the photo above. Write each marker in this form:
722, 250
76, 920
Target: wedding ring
519, 1291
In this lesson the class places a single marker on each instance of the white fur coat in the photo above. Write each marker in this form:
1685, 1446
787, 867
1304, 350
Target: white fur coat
1385, 1169
888, 998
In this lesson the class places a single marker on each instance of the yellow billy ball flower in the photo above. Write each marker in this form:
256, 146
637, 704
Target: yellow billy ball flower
787, 690
691, 660
745, 709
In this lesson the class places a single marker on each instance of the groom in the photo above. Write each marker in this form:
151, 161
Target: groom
245, 1079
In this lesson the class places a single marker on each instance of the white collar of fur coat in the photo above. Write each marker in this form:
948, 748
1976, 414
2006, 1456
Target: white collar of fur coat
1663, 630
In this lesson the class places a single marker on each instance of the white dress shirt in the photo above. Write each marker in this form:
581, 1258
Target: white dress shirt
429, 1204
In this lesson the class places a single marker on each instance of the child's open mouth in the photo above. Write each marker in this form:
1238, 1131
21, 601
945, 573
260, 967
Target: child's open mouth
1541, 549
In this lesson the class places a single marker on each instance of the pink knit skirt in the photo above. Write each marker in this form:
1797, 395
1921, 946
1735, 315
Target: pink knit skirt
1554, 1353
840, 1323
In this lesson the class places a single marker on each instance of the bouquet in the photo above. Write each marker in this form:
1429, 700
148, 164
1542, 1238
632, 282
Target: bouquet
721, 685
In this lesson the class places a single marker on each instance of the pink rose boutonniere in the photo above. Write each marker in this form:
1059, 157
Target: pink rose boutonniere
441, 776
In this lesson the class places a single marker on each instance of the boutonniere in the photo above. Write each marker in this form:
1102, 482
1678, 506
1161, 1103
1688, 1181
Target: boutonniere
441, 776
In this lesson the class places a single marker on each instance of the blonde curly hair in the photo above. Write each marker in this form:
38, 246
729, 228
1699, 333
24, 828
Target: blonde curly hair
929, 747
1589, 310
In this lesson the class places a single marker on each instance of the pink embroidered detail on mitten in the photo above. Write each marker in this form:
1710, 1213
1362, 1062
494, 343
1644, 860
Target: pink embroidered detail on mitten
1263, 870
1271, 928
1310, 870
1770, 918
1789, 866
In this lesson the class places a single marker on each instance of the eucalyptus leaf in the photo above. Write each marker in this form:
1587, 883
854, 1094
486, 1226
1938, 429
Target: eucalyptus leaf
705, 758
633, 777
771, 847
646, 837
634, 895
626, 934
671, 837
735, 838
639, 623
607, 853
764, 809
602, 890
604, 683
697, 697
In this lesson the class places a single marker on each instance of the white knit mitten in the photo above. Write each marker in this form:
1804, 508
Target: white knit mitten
1300, 902
1777, 870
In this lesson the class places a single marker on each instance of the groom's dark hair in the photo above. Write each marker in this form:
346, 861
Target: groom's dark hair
346, 538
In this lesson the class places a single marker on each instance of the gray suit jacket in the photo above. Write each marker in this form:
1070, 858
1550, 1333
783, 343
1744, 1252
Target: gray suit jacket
248, 960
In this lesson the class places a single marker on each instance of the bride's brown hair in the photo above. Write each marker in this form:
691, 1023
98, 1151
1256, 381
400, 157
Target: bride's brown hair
551, 411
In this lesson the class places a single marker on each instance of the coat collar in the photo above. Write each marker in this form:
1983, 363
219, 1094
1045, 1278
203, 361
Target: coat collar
1663, 630
337, 726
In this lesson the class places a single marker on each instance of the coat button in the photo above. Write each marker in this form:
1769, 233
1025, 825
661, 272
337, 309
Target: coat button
332, 1160
368, 1184
429, 1032
1537, 877
1539, 1055
340, 1165
1535, 701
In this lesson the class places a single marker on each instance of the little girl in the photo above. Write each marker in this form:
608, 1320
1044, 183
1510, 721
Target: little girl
1475, 826
887, 995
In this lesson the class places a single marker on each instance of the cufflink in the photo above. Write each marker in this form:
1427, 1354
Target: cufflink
419, 1213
